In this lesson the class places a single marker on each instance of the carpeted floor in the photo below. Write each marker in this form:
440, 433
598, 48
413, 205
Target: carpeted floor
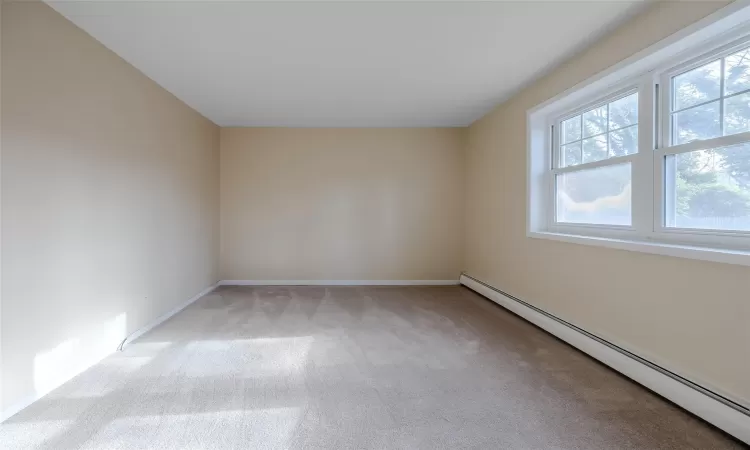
352, 368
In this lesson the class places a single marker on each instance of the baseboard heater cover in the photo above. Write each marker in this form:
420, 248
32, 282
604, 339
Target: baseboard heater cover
713, 408
339, 282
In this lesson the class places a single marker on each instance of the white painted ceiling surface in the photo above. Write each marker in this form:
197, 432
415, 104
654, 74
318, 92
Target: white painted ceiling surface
345, 64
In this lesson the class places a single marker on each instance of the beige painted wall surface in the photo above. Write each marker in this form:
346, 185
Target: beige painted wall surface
109, 195
688, 315
340, 204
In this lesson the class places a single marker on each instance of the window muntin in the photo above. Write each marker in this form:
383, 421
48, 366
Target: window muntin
711, 100
602, 132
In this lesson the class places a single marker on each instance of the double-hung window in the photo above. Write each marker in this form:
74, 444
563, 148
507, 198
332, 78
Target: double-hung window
705, 144
662, 155
594, 149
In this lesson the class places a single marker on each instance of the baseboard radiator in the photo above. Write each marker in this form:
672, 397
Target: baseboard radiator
720, 411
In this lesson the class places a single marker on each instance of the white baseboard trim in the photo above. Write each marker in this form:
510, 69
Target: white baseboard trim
339, 282
164, 317
701, 404
23, 404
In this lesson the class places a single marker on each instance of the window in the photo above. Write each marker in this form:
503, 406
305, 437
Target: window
600, 193
655, 150
709, 189
707, 170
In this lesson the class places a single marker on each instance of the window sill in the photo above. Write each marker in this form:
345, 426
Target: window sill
720, 255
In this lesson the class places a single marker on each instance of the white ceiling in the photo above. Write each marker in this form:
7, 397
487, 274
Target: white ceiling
346, 63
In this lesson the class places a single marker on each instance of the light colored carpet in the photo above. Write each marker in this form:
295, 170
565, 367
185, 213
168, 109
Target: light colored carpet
352, 368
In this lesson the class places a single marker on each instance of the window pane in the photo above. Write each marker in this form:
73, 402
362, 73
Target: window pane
737, 114
697, 86
710, 189
624, 141
571, 154
737, 72
571, 130
623, 112
701, 122
595, 121
595, 149
596, 196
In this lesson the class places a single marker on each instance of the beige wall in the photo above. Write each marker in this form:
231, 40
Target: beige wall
338, 204
690, 316
109, 200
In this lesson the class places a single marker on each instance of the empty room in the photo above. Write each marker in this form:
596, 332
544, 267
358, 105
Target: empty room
374, 224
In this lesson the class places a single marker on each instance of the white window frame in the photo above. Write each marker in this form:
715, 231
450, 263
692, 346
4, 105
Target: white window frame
644, 113
712, 38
